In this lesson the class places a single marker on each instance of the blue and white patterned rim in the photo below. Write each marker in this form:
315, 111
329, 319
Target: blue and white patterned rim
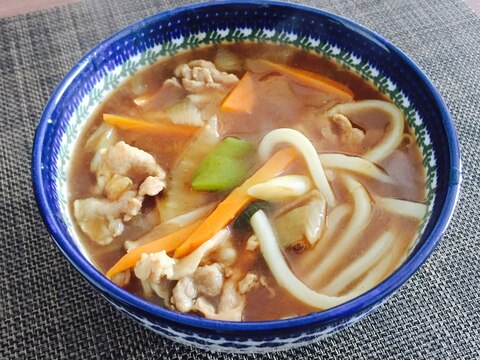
137, 57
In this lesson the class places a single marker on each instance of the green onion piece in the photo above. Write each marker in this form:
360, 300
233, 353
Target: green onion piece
242, 221
225, 167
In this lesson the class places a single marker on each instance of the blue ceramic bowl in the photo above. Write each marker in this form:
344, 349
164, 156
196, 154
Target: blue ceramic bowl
170, 32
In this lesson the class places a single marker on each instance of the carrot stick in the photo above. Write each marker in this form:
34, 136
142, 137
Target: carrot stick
241, 98
229, 208
167, 243
141, 125
310, 79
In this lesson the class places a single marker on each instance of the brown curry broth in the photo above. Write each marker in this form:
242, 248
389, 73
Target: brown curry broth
404, 166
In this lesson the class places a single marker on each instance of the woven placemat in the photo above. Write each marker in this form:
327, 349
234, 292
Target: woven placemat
48, 312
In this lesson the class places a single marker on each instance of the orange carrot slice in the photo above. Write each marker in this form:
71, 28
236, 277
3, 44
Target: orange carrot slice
309, 79
242, 97
229, 208
167, 243
141, 125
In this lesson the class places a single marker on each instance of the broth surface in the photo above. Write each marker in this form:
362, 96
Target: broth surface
403, 166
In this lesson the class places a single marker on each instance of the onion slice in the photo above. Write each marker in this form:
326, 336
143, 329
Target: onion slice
184, 112
316, 217
227, 61
171, 225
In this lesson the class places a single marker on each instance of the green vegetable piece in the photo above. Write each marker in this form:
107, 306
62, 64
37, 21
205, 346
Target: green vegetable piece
290, 227
225, 167
242, 221
219, 173
233, 147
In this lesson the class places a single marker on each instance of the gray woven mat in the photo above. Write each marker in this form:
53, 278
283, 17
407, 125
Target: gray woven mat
47, 311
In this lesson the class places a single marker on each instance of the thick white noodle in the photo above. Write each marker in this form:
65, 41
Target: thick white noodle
355, 164
410, 209
281, 188
281, 271
334, 219
300, 142
362, 209
376, 274
361, 265
392, 138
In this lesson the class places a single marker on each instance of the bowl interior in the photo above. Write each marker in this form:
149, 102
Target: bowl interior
169, 33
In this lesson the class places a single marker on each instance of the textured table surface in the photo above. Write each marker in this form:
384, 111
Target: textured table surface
48, 312
15, 7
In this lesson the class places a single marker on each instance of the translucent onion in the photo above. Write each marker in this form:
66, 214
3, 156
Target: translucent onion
306, 148
362, 209
185, 113
101, 138
179, 198
192, 216
142, 100
305, 217
281, 271
170, 226
392, 138
361, 265
200, 100
227, 61
96, 160
139, 84
316, 217
281, 188
409, 209
354, 164
281, 57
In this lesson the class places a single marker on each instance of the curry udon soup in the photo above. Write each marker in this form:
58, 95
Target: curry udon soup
222, 178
